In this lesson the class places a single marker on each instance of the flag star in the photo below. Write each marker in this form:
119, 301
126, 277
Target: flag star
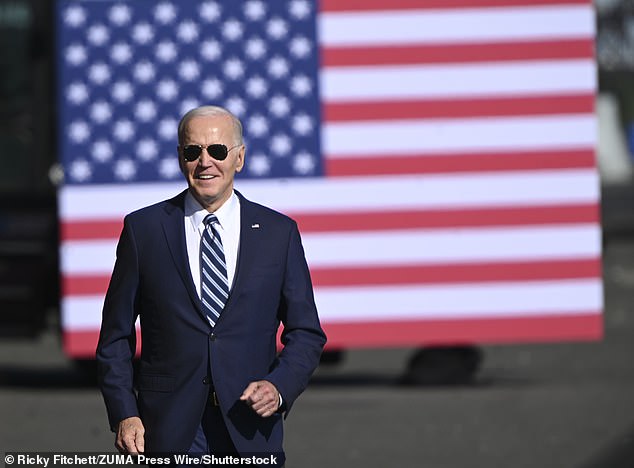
299, 9
279, 105
77, 92
74, 16
211, 50
165, 12
144, 71
302, 124
80, 170
189, 70
255, 48
169, 168
301, 85
125, 169
147, 149
99, 73
278, 67
234, 68
142, 33
102, 151
120, 14
281, 144
122, 91
304, 163
167, 89
76, 54
166, 51
98, 34
212, 88
210, 11
232, 30
121, 53
255, 10
300, 47
79, 131
100, 111
277, 28
236, 105
188, 104
259, 165
145, 110
167, 129
187, 31
123, 130
257, 125
256, 87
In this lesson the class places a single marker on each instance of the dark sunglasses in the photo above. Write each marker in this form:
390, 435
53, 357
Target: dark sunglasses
217, 151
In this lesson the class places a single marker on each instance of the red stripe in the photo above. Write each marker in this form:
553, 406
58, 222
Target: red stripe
336, 56
447, 218
437, 332
459, 273
82, 344
379, 5
88, 285
409, 219
91, 230
396, 164
458, 108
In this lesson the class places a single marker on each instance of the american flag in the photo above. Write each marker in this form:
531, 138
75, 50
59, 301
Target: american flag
439, 155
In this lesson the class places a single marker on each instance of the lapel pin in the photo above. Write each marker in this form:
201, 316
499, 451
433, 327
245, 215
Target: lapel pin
255, 226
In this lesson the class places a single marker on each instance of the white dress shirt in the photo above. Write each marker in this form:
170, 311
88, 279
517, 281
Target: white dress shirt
228, 228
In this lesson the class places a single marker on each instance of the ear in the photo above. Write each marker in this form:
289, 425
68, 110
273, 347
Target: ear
240, 158
181, 159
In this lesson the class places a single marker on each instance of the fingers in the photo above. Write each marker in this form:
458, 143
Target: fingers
262, 397
130, 436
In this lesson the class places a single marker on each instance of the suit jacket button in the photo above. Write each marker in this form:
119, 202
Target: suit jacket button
207, 380
212, 337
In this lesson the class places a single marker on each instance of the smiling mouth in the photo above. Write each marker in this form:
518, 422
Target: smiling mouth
205, 177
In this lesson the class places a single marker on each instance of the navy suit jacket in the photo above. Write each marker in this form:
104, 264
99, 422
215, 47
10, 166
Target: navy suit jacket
152, 280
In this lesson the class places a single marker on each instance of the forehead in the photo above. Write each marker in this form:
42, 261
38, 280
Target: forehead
208, 126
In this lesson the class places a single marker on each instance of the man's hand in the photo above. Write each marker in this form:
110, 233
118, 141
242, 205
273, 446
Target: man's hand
262, 397
130, 437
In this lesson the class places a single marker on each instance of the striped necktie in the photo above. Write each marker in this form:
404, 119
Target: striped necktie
214, 290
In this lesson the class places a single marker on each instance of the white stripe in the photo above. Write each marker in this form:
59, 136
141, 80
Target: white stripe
456, 25
393, 303
214, 298
502, 189
377, 83
208, 248
456, 301
87, 202
213, 268
459, 135
224, 291
409, 247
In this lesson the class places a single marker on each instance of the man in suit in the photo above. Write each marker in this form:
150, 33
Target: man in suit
211, 275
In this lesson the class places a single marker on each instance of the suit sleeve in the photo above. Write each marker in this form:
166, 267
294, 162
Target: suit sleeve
302, 336
117, 338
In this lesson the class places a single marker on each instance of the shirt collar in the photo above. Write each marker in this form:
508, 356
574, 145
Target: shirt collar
195, 211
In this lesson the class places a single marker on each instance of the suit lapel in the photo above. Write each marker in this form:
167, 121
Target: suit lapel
174, 229
249, 230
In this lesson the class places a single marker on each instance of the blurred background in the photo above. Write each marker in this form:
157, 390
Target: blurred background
543, 402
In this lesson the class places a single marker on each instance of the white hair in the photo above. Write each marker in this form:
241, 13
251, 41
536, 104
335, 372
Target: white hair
206, 111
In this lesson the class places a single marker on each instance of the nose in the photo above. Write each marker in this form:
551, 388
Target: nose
205, 158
